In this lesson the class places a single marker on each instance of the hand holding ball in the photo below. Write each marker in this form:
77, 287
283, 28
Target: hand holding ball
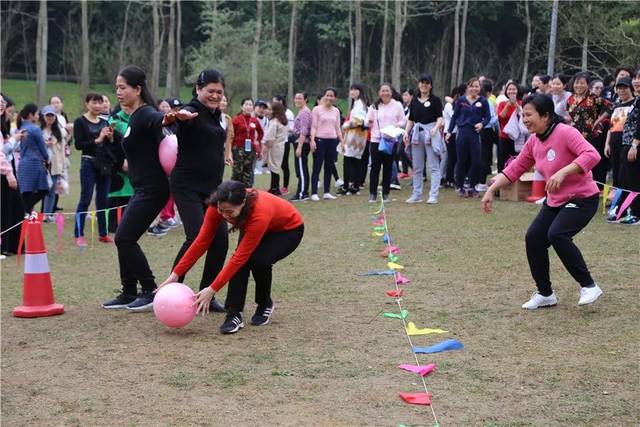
173, 305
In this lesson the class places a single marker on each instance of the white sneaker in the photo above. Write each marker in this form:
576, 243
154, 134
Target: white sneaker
329, 196
339, 183
414, 199
432, 201
481, 187
538, 301
395, 186
315, 198
257, 171
589, 295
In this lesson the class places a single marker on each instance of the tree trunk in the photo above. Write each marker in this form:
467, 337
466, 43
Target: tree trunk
273, 19
178, 73
351, 48
158, 38
292, 51
256, 50
84, 71
383, 48
463, 41
456, 45
123, 38
527, 47
171, 52
552, 38
585, 42
42, 39
399, 24
357, 57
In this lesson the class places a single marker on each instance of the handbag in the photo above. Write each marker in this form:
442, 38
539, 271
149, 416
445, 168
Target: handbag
516, 130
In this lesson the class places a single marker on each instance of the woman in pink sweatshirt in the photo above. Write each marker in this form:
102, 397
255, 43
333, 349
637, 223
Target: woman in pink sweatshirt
565, 159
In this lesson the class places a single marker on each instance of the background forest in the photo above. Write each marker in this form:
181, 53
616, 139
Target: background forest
270, 46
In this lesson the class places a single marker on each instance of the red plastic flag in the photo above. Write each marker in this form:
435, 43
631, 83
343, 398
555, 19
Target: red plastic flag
416, 398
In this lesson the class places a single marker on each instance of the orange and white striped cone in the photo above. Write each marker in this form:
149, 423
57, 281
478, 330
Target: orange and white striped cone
537, 187
37, 296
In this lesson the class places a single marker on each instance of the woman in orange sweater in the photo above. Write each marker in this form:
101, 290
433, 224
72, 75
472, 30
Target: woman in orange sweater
270, 230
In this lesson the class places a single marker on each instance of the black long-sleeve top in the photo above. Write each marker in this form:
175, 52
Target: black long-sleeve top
140, 144
85, 134
200, 162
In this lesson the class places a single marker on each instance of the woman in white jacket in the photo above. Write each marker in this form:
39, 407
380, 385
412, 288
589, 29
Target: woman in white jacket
355, 139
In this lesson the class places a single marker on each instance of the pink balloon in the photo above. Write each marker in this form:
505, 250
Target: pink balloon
168, 153
172, 305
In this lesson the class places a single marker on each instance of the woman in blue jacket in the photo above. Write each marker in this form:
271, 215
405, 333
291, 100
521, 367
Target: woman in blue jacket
32, 171
471, 113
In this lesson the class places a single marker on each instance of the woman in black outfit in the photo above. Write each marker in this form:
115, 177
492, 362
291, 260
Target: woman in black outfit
199, 169
151, 188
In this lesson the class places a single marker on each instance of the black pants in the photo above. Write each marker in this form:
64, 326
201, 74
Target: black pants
275, 182
488, 137
451, 159
506, 149
364, 164
629, 180
192, 207
600, 170
325, 154
615, 158
143, 208
469, 152
302, 170
351, 172
272, 248
31, 198
379, 161
556, 227
11, 213
285, 165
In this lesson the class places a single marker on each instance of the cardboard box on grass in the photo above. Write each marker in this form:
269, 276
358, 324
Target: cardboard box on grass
518, 191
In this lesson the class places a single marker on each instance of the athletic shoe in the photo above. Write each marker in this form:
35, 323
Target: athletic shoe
414, 199
232, 323
432, 200
157, 230
169, 223
257, 171
315, 198
80, 242
121, 301
262, 315
403, 175
354, 190
328, 196
538, 301
629, 220
481, 187
589, 295
395, 187
386, 199
339, 182
372, 198
284, 191
612, 216
216, 307
48, 218
144, 302
105, 239
471, 193
275, 191
342, 191
298, 198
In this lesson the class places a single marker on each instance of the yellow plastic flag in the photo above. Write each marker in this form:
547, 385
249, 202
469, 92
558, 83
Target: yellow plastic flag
378, 233
605, 194
394, 266
412, 329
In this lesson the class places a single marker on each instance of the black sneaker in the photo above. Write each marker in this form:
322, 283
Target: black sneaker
299, 198
121, 301
262, 315
144, 302
232, 323
216, 307
157, 230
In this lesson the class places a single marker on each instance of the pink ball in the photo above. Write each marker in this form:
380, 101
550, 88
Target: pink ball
168, 153
172, 305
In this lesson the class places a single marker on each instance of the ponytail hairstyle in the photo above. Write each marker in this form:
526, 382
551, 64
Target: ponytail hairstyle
135, 76
544, 107
235, 193
25, 112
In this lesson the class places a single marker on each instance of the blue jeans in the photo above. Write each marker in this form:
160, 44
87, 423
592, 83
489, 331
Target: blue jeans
50, 198
89, 178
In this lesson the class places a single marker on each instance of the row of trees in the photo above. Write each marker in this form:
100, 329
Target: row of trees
268, 46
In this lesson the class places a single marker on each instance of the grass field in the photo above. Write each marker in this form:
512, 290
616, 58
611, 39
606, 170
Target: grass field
328, 357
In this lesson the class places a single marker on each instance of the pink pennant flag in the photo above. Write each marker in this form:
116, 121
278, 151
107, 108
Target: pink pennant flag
389, 250
60, 227
401, 280
395, 294
422, 370
626, 204
416, 398
379, 221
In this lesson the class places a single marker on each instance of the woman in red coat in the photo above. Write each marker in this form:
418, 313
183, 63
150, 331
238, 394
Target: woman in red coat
270, 230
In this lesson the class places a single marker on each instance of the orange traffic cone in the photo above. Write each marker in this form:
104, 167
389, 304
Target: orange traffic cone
37, 297
537, 188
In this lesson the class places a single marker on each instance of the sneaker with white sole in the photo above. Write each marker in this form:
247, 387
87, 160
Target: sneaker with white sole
169, 223
589, 295
315, 198
432, 201
262, 315
339, 183
538, 301
395, 186
232, 323
372, 198
144, 302
329, 196
414, 199
629, 220
119, 302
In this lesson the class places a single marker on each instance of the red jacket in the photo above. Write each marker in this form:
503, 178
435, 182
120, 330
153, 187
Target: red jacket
247, 127
269, 214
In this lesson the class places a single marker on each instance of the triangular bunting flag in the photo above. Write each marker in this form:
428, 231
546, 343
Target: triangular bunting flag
395, 266
401, 280
395, 294
416, 398
403, 315
422, 370
412, 329
446, 345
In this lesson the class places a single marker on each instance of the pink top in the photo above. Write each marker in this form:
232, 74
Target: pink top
5, 166
564, 146
391, 114
325, 123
